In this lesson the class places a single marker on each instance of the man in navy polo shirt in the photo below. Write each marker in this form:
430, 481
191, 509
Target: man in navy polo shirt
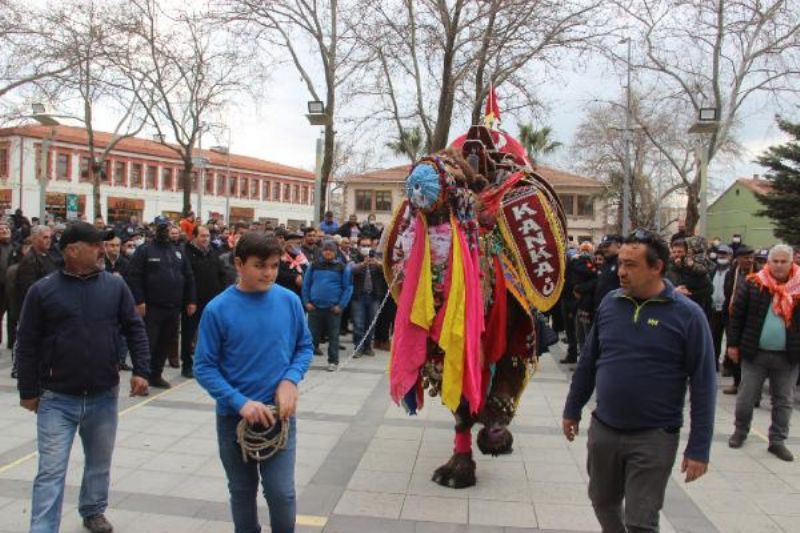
647, 343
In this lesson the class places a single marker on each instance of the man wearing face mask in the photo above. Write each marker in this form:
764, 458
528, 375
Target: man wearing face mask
367, 294
293, 263
162, 283
370, 230
736, 241
719, 314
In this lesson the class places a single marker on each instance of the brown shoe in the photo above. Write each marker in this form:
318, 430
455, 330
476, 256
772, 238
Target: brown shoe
731, 389
97, 524
174, 362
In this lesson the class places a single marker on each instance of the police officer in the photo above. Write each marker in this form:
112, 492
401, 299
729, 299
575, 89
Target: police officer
608, 277
162, 283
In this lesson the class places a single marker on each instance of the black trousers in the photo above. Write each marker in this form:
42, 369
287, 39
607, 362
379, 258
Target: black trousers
162, 332
569, 312
717, 323
189, 325
383, 327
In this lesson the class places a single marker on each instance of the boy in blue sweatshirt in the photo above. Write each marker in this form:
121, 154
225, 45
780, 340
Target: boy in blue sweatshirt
648, 343
253, 348
327, 287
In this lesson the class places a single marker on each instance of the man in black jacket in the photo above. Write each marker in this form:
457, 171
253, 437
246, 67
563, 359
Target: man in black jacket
607, 277
161, 280
764, 333
9, 254
368, 291
68, 373
209, 280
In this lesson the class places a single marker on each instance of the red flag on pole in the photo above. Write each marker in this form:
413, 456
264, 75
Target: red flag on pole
492, 112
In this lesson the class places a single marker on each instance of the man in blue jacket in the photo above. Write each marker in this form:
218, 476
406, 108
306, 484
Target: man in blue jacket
69, 373
247, 358
327, 287
648, 341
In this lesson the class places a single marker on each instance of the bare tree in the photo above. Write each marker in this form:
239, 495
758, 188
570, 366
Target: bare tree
92, 36
29, 52
713, 53
427, 56
188, 71
294, 24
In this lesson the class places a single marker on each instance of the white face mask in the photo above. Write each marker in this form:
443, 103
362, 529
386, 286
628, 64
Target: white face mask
723, 262
737, 240
364, 250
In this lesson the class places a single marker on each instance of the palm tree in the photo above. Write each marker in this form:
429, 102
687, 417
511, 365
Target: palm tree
408, 143
537, 142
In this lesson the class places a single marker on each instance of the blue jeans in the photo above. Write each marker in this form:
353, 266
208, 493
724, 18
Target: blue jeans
325, 322
363, 309
277, 480
59, 416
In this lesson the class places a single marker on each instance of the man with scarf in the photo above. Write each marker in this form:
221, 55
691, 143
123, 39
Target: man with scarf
764, 333
293, 263
162, 282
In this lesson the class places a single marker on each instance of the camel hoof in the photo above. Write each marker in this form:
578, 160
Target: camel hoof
495, 441
457, 473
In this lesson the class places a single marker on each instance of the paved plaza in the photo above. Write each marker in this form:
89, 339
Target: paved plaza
364, 466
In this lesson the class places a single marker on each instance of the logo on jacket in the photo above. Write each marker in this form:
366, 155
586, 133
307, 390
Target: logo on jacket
652, 322
177, 253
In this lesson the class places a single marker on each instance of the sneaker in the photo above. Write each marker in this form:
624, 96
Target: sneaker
358, 355
369, 352
732, 390
187, 373
125, 366
333, 367
97, 524
160, 383
736, 440
317, 351
781, 452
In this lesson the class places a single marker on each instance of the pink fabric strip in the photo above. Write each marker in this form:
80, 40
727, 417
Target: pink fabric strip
409, 345
472, 382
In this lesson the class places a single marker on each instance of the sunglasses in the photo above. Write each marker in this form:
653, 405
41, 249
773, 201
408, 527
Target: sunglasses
642, 235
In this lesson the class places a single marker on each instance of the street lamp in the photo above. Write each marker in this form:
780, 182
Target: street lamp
226, 150
318, 117
707, 123
40, 115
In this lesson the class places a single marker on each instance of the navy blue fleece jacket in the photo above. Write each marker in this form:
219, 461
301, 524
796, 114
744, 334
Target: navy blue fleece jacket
639, 357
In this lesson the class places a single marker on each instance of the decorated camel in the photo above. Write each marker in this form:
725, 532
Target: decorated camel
473, 254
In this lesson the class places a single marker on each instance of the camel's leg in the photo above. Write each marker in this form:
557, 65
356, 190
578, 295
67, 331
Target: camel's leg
459, 471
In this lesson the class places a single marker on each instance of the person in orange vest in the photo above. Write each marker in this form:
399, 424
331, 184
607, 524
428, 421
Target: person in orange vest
188, 224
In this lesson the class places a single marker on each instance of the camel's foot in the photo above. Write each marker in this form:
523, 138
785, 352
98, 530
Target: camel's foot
495, 441
457, 473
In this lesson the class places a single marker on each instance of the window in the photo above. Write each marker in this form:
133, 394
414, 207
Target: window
568, 201
151, 178
383, 201
85, 162
210, 182
244, 187
304, 198
276, 192
178, 179
296, 195
136, 175
233, 181
5, 155
63, 164
167, 179
363, 200
120, 179
194, 180
287, 190
584, 205
106, 177
221, 184
255, 187
265, 190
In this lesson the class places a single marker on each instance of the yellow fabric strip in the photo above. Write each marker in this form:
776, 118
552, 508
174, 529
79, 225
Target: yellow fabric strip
423, 313
452, 338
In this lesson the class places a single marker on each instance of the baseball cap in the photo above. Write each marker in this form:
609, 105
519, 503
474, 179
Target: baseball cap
613, 237
83, 232
743, 249
762, 253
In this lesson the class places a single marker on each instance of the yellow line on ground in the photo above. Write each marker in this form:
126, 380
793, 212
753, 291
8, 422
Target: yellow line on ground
311, 521
25, 458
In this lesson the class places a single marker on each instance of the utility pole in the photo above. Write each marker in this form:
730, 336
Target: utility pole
626, 183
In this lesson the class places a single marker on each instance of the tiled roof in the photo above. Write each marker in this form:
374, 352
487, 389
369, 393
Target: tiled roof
756, 185
557, 178
137, 145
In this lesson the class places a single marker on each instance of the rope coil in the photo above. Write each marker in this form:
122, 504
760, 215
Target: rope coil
260, 445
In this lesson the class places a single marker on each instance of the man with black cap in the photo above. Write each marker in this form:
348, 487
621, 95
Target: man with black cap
162, 282
607, 277
329, 226
744, 264
69, 373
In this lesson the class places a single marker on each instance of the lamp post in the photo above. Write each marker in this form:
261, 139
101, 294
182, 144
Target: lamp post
628, 178
227, 151
45, 119
707, 122
317, 117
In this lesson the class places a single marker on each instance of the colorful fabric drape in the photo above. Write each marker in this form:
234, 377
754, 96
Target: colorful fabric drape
784, 295
495, 340
414, 316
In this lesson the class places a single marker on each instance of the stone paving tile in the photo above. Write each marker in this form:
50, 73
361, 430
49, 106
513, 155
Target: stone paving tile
378, 504
567, 517
496, 513
435, 509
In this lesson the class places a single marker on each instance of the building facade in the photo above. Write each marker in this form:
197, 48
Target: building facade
735, 212
143, 178
379, 192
